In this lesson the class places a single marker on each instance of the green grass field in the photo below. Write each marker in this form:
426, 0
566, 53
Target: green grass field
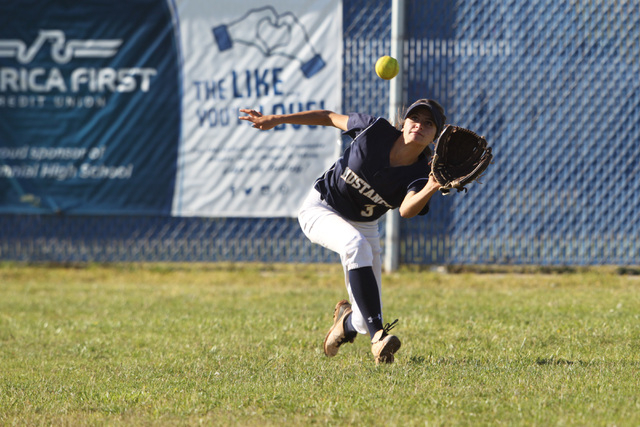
241, 345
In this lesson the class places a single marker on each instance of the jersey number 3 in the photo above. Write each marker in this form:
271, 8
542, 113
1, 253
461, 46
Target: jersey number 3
368, 210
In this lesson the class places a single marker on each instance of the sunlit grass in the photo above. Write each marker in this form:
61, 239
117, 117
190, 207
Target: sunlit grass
241, 345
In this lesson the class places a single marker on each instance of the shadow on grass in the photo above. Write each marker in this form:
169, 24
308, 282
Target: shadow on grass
540, 361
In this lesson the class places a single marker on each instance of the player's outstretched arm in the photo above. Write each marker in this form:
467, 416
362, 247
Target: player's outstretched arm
310, 118
414, 202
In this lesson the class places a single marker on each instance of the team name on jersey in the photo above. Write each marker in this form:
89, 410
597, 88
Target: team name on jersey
357, 183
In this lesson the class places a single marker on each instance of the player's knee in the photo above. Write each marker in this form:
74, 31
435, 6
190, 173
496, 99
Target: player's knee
358, 253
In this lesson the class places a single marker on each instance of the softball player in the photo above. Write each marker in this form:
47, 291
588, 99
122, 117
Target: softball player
383, 168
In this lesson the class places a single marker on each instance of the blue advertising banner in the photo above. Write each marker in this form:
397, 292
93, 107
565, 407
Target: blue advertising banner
90, 107
131, 106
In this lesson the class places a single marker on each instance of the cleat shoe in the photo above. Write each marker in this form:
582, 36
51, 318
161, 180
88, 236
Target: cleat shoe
384, 346
336, 336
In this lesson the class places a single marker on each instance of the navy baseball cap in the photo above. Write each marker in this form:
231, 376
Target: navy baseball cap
436, 110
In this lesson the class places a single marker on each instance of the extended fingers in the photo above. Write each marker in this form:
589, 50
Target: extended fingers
251, 116
252, 113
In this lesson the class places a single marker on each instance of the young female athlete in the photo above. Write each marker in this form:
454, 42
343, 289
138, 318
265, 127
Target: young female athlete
383, 168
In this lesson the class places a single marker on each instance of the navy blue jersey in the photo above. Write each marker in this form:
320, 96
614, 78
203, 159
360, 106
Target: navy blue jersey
362, 185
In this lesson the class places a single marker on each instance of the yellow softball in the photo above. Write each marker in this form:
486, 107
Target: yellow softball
387, 67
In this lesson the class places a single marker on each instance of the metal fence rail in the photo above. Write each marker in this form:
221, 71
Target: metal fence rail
555, 88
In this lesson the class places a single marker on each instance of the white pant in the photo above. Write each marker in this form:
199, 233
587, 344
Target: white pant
357, 243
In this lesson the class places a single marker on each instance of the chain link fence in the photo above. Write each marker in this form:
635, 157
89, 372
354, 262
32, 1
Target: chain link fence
554, 87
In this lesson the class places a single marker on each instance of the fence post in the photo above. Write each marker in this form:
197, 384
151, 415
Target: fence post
396, 98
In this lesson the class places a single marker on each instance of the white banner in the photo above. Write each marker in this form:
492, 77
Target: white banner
283, 56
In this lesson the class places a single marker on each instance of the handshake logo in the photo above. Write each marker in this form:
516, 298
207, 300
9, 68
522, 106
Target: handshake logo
273, 35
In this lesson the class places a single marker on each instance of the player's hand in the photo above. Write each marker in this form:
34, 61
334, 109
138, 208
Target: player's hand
259, 120
433, 183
